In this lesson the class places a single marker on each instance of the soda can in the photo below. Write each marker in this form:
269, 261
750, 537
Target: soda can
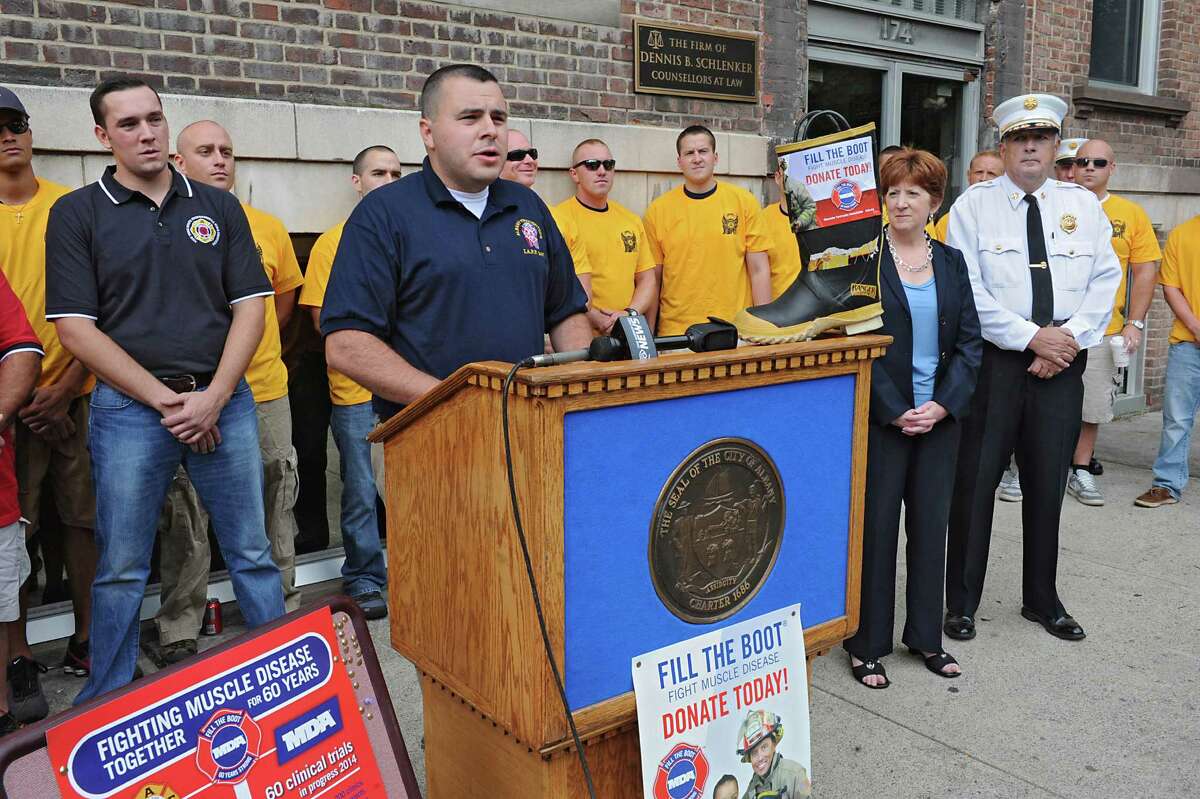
212, 617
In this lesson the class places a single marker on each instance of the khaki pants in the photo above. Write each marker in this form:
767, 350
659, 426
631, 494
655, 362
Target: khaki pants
185, 551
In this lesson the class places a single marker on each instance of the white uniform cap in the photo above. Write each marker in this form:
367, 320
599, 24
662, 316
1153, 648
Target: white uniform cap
1068, 148
1027, 111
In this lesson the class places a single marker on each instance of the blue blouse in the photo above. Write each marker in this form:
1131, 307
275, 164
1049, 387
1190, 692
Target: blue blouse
922, 302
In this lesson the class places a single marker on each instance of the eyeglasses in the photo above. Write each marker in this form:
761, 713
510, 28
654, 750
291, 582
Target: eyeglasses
1099, 163
17, 126
519, 155
592, 164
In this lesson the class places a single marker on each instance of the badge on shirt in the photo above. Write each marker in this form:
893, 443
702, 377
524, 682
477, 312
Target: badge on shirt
629, 239
203, 230
531, 232
729, 224
1068, 223
1118, 226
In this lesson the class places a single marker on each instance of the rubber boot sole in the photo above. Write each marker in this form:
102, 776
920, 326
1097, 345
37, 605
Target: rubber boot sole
859, 320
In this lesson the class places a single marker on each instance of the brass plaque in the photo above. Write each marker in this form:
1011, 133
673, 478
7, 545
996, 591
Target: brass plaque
716, 530
689, 61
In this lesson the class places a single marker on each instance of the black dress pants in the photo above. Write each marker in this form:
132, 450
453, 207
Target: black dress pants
918, 471
1039, 420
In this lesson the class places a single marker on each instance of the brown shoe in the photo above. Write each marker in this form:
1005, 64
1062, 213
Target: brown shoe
1155, 498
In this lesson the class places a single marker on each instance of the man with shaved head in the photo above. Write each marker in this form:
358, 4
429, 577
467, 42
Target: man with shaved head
521, 162
1137, 249
364, 573
204, 153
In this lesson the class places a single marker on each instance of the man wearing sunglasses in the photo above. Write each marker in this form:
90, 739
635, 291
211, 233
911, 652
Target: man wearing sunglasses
520, 164
1064, 159
51, 430
614, 264
1137, 249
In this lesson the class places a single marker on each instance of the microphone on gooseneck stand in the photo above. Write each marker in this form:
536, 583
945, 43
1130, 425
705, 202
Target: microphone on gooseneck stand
602, 348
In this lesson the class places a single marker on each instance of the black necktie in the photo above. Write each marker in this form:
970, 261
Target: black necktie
1039, 265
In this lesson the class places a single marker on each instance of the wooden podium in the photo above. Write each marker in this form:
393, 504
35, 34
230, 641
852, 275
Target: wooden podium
593, 445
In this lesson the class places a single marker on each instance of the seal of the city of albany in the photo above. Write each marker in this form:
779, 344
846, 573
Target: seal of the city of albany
716, 530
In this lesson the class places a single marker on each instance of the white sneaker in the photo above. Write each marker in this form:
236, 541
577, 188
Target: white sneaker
1082, 485
1010, 486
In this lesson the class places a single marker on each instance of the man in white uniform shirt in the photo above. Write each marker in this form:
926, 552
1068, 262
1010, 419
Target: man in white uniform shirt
1044, 274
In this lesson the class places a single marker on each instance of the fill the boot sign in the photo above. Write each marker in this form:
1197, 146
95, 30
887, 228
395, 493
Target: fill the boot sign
833, 207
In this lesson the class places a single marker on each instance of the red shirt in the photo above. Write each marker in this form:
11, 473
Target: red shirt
15, 336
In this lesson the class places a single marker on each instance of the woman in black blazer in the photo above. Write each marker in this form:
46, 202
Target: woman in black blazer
920, 389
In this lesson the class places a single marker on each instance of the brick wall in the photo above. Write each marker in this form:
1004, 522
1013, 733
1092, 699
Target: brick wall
361, 52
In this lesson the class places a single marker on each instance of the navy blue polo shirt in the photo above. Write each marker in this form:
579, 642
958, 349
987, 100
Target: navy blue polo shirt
442, 288
159, 281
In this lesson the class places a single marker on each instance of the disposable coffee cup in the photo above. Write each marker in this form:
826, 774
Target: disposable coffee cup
1119, 355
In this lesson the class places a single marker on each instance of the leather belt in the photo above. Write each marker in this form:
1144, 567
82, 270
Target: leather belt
181, 384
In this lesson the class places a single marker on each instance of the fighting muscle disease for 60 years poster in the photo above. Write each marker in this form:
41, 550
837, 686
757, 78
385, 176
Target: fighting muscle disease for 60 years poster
726, 713
273, 718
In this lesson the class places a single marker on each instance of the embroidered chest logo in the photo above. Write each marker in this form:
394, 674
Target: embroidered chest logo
629, 239
1118, 226
203, 230
729, 224
531, 233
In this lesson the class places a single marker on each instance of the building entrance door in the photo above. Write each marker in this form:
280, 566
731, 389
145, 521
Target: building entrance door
912, 104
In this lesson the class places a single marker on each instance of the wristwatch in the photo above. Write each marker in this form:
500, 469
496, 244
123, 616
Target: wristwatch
1138, 323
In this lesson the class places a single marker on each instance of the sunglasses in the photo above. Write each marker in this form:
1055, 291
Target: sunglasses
519, 155
17, 126
1099, 163
592, 164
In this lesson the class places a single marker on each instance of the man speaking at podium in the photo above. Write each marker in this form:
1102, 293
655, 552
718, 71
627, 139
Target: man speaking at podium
450, 264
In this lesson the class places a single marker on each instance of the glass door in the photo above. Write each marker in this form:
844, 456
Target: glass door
931, 119
913, 104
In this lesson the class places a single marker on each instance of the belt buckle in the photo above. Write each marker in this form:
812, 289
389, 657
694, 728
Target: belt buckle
192, 380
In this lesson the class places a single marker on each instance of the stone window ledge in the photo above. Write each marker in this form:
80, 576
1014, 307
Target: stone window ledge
1088, 98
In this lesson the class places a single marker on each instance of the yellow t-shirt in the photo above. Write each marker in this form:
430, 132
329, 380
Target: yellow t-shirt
702, 245
941, 228
342, 390
23, 259
1181, 270
266, 373
612, 246
784, 250
1135, 242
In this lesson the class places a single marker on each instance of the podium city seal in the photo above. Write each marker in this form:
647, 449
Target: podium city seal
716, 530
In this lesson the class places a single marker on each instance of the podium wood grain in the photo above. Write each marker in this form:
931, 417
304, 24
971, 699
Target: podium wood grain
460, 605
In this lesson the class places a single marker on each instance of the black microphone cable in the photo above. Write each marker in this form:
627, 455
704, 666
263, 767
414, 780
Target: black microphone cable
537, 602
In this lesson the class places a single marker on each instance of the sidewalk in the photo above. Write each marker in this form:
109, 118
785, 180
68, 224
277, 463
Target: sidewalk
1113, 715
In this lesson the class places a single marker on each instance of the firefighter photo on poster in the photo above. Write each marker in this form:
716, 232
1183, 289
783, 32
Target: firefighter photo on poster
725, 714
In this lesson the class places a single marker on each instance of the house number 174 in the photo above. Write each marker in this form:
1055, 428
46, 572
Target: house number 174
895, 30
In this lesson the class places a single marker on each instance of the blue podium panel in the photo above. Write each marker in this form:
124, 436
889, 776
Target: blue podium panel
617, 460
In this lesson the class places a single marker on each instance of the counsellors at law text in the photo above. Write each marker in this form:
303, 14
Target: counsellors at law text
919, 390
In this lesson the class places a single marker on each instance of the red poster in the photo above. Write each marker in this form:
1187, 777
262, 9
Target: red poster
276, 717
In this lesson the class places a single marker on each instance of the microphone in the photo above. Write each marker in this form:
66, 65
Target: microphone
715, 334
602, 348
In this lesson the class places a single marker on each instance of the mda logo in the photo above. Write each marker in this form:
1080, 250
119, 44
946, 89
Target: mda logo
294, 738
846, 195
682, 773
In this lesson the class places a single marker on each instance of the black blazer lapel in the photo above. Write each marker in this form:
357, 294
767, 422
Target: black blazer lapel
941, 276
891, 280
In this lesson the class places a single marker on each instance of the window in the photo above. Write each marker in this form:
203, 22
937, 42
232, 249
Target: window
1125, 44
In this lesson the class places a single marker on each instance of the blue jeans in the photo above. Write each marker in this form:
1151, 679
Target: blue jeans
133, 461
365, 566
1181, 398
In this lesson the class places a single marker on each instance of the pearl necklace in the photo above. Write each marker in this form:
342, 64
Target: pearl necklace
900, 261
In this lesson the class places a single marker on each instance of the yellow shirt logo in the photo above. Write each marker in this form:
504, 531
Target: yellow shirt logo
729, 224
629, 239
